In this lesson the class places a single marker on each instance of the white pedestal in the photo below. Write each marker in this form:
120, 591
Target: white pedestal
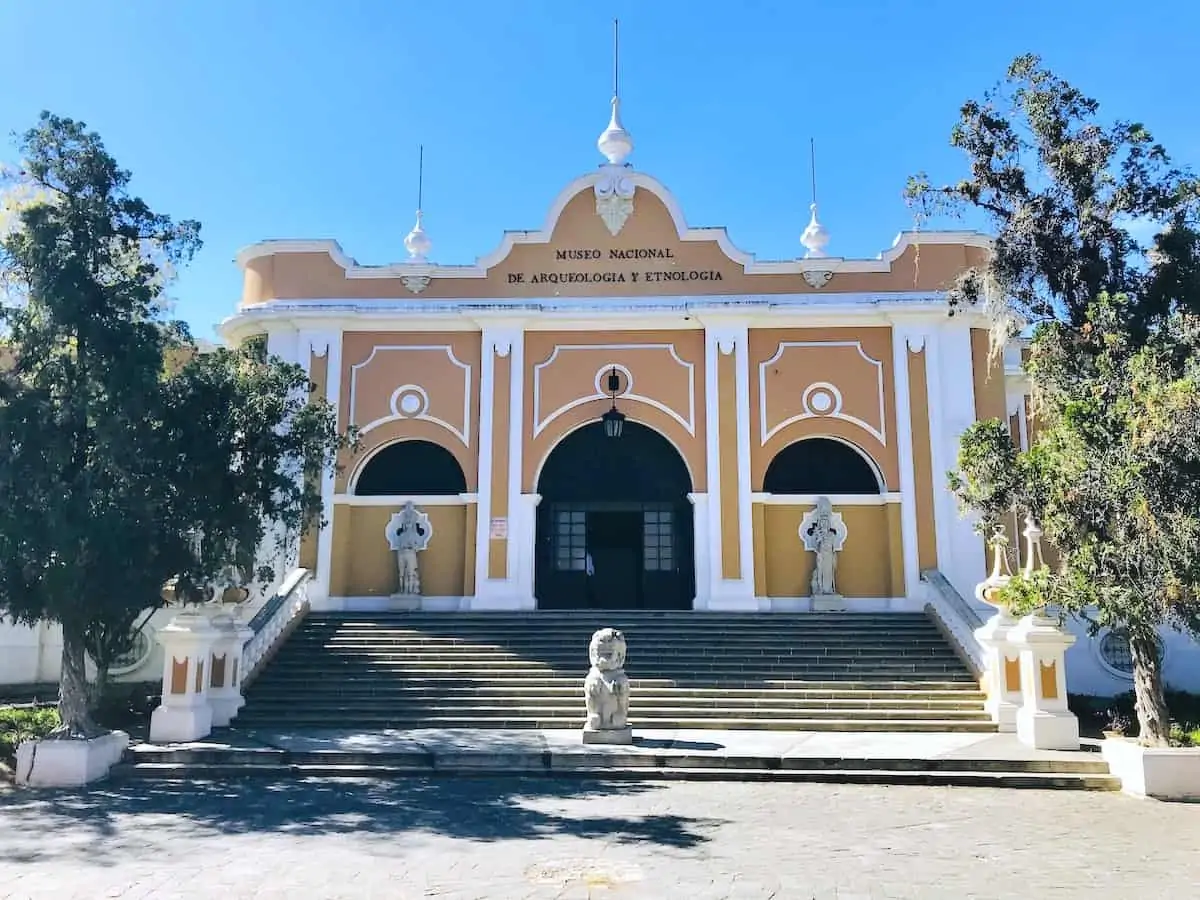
185, 713
1044, 721
225, 667
1002, 661
404, 602
608, 736
828, 603
69, 763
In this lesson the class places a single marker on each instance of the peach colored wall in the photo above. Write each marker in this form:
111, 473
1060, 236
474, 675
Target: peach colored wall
501, 417
667, 367
925, 267
870, 565
867, 386
364, 566
444, 365
918, 393
731, 525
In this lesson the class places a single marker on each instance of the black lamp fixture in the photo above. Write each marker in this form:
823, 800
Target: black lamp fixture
614, 421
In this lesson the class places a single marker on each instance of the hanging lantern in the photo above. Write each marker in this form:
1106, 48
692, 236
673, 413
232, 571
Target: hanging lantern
614, 420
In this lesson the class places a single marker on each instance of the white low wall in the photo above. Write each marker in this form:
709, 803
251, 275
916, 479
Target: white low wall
34, 655
1087, 673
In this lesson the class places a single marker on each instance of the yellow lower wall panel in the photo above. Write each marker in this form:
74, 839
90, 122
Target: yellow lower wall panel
364, 566
870, 564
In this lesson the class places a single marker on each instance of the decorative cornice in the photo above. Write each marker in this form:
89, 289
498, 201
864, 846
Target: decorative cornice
833, 264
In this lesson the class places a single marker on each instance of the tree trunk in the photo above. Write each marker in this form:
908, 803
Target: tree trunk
73, 696
1154, 722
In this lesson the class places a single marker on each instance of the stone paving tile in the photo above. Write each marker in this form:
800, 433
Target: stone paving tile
501, 838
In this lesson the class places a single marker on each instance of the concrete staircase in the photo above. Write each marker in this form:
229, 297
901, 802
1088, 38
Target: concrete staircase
690, 670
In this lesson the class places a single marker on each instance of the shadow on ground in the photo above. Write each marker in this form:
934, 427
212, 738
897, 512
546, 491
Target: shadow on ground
44, 825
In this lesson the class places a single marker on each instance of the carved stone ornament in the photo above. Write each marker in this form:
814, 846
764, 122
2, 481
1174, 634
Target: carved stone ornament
408, 533
817, 279
606, 690
823, 533
614, 197
415, 283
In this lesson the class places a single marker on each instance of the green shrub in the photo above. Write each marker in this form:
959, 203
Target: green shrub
21, 723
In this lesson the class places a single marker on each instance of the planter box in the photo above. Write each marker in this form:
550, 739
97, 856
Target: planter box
69, 763
1165, 773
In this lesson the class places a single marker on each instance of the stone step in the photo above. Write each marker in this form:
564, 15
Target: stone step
1011, 780
302, 679
388, 690
484, 651
747, 645
611, 755
748, 673
633, 631
381, 719
437, 709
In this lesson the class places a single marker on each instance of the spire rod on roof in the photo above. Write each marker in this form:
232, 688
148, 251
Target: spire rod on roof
615, 142
417, 242
616, 57
815, 238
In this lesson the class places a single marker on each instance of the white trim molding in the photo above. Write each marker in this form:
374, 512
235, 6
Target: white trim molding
834, 499
401, 499
407, 390
641, 181
903, 338
542, 422
821, 387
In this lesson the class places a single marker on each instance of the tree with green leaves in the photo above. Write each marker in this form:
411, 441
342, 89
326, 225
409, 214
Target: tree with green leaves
128, 460
1114, 470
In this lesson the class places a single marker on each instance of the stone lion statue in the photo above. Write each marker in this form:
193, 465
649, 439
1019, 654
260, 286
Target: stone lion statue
606, 688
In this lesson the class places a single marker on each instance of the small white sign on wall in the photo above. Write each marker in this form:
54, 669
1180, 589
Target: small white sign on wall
498, 530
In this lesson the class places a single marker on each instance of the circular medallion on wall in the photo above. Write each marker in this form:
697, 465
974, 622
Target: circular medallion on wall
821, 399
409, 400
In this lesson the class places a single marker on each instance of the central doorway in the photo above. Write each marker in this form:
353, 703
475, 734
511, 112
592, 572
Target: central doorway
614, 525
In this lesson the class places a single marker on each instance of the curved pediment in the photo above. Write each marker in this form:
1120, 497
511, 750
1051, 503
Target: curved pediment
614, 232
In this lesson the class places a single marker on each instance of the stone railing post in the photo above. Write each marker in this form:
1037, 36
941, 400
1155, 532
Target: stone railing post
225, 682
1044, 721
1002, 672
184, 713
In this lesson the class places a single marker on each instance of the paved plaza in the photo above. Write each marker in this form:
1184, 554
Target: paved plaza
542, 837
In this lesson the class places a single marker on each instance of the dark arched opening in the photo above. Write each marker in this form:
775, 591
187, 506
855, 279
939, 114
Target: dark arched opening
411, 468
615, 525
820, 466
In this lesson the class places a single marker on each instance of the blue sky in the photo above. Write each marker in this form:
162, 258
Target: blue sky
286, 118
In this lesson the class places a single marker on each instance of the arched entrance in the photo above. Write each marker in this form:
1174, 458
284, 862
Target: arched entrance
614, 526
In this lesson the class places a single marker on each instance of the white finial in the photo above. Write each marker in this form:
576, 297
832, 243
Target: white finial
615, 142
815, 238
417, 242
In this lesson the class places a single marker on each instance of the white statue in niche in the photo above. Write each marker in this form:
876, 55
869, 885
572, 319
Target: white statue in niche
824, 534
408, 533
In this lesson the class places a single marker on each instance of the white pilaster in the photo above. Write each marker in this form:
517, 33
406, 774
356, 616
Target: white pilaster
727, 339
701, 549
483, 510
950, 374
225, 685
516, 450
329, 345
904, 338
513, 591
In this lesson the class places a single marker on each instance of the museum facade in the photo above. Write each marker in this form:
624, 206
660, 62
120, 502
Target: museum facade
621, 411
